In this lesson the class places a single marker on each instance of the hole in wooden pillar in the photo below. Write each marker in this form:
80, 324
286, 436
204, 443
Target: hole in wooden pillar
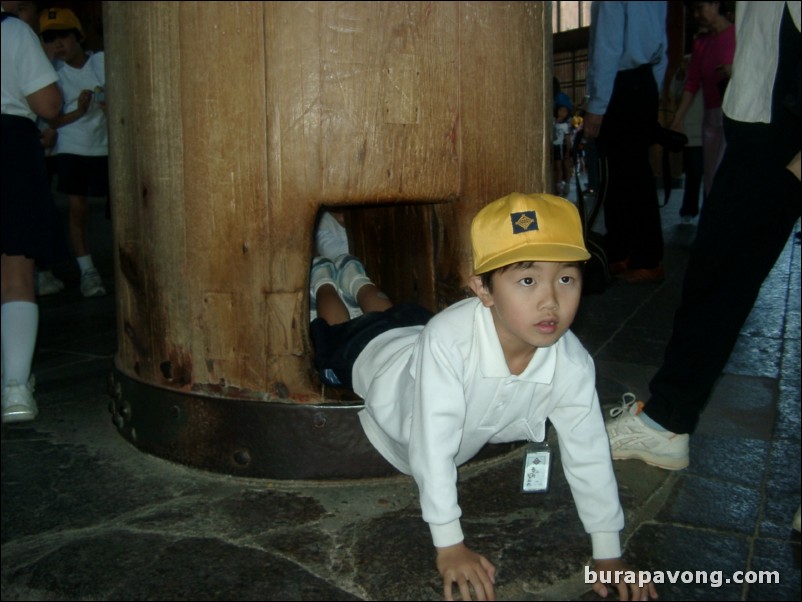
408, 250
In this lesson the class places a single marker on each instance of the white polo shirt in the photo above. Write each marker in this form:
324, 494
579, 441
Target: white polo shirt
88, 136
435, 395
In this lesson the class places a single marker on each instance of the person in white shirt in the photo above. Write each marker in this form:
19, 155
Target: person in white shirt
82, 146
28, 90
490, 369
627, 61
744, 225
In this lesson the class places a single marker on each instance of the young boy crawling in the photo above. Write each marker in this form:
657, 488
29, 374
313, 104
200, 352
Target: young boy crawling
492, 368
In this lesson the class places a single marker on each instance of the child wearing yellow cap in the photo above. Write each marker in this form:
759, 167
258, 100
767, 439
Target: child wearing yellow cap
492, 369
82, 146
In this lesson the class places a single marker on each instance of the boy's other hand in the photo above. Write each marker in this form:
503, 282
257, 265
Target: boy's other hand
459, 564
647, 592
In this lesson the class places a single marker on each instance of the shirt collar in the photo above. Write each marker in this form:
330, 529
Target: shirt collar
491, 357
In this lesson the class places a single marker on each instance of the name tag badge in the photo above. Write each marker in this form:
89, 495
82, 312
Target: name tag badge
537, 468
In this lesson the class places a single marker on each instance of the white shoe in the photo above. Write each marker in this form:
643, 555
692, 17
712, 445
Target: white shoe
322, 272
630, 438
18, 402
91, 284
351, 277
48, 284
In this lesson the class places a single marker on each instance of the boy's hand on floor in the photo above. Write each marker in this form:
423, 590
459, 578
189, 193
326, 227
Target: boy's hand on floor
469, 570
611, 566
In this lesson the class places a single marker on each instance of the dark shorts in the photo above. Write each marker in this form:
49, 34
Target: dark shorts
337, 347
83, 176
29, 216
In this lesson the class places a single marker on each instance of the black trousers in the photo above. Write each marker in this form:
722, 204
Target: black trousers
693, 166
743, 227
628, 188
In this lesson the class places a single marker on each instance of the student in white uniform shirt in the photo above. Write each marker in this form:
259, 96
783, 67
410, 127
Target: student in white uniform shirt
489, 369
82, 146
29, 91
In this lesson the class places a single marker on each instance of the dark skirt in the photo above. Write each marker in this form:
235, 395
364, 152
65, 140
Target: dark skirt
29, 217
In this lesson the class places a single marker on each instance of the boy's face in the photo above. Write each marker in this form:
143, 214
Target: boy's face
62, 45
562, 114
533, 304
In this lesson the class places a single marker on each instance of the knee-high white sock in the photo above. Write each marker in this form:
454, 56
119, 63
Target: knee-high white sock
20, 322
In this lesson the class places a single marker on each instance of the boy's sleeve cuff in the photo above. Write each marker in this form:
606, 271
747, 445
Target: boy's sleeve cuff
448, 534
606, 545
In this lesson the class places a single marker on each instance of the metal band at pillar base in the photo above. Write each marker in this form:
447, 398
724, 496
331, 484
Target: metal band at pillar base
257, 439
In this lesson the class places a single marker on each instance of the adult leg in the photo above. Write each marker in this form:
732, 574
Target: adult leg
631, 209
744, 226
567, 171
713, 144
592, 165
556, 174
693, 166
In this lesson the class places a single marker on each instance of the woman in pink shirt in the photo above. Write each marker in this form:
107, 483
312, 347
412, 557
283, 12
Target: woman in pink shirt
709, 69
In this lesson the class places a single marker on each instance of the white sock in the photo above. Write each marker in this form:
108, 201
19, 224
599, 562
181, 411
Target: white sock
85, 263
351, 276
20, 322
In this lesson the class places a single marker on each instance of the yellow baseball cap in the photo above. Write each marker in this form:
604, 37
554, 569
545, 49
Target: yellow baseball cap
59, 19
526, 227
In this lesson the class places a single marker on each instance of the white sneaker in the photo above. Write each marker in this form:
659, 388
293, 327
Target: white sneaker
631, 438
18, 402
48, 284
351, 277
322, 272
91, 284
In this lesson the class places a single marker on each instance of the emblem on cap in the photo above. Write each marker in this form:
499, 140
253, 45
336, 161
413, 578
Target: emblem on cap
524, 221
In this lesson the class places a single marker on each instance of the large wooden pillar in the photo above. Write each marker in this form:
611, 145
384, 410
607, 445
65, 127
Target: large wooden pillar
231, 125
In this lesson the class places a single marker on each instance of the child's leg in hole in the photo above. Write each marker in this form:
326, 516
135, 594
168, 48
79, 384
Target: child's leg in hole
370, 298
329, 305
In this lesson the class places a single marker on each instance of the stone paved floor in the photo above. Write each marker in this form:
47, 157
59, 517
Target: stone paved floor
85, 516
